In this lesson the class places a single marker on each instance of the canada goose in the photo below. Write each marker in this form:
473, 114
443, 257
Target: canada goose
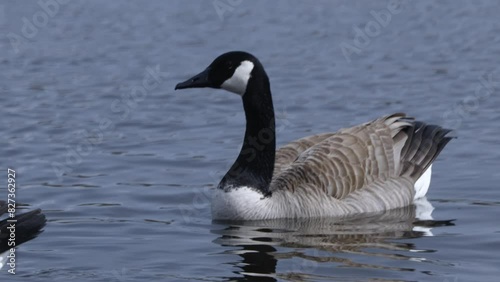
376, 166
27, 226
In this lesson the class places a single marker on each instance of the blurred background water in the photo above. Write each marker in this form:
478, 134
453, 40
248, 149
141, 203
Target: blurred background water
124, 176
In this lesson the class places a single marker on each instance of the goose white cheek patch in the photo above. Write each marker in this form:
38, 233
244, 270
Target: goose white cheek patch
238, 82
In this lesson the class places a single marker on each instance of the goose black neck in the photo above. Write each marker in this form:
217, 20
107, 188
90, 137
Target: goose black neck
255, 163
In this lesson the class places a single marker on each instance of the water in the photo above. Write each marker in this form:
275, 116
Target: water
132, 204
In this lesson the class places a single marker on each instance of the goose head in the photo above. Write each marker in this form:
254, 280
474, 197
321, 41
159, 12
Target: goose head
243, 74
230, 71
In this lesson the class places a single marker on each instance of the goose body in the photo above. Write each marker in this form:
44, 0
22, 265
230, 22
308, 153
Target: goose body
376, 166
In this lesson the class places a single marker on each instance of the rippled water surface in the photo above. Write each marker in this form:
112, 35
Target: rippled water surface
125, 182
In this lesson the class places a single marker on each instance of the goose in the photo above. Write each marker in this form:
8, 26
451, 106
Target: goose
372, 167
27, 226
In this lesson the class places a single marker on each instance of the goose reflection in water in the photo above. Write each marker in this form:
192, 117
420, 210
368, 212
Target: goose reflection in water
326, 240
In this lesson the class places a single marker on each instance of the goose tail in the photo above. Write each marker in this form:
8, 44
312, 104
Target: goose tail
423, 144
27, 226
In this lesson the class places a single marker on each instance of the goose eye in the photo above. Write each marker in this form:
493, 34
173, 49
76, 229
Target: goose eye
229, 65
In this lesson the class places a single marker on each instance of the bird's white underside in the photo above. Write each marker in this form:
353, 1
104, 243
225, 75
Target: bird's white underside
238, 82
249, 204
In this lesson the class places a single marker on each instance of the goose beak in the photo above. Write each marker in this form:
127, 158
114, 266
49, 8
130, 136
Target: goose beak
198, 81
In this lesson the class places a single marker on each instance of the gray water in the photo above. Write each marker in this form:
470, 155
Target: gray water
125, 181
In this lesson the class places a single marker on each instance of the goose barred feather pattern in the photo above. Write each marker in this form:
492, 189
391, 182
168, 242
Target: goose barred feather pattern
393, 150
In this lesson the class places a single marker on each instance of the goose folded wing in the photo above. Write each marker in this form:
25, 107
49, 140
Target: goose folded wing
348, 161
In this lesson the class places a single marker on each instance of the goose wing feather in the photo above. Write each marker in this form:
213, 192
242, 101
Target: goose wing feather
288, 154
380, 159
